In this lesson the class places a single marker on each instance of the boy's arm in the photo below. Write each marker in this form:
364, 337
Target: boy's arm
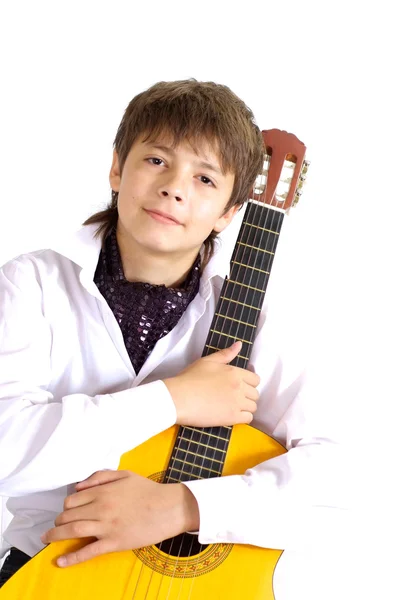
47, 442
302, 496
50, 442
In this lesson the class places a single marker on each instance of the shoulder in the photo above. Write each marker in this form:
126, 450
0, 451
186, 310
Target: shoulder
64, 259
34, 267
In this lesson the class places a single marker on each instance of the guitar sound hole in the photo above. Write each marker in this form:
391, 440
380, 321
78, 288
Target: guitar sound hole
182, 545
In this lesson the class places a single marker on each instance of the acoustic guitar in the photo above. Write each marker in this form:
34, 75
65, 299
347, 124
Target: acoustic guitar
182, 568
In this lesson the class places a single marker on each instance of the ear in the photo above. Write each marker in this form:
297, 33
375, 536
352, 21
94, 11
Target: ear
226, 218
115, 174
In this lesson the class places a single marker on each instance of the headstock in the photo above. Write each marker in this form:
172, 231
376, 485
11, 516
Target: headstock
281, 181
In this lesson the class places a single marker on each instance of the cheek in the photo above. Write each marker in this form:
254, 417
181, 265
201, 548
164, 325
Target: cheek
207, 213
131, 195
130, 187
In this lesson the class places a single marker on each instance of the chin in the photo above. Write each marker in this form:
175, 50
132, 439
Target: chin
157, 245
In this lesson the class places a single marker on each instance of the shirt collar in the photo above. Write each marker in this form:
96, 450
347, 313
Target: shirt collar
83, 248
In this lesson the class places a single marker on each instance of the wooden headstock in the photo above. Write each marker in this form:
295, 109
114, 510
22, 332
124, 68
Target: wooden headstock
281, 181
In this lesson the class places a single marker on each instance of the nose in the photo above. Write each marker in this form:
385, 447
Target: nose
174, 185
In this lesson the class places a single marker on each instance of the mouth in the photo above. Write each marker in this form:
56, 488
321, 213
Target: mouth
162, 217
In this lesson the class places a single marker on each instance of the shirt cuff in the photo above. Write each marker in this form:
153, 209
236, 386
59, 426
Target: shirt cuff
216, 514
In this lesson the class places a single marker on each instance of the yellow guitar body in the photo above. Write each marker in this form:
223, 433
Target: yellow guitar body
219, 571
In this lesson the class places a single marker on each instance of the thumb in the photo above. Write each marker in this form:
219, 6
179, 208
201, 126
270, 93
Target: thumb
100, 478
226, 355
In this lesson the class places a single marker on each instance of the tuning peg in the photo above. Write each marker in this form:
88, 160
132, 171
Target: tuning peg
304, 168
301, 181
296, 198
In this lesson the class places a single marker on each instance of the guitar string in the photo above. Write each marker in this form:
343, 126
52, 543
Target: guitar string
175, 452
201, 468
231, 326
177, 449
258, 276
208, 442
251, 220
213, 459
179, 553
266, 218
218, 345
181, 471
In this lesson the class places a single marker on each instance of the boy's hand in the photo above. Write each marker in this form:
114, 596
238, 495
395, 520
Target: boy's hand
123, 511
211, 392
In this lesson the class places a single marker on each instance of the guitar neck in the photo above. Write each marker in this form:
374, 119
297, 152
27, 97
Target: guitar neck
243, 292
199, 453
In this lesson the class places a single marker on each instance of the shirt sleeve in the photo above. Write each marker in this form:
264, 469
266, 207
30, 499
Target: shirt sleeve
48, 442
304, 496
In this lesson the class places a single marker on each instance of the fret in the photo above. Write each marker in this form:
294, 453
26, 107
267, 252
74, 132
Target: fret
250, 267
263, 214
217, 443
242, 303
256, 278
260, 227
236, 320
200, 467
184, 439
263, 228
255, 248
239, 331
196, 472
215, 348
199, 455
240, 361
233, 337
236, 327
244, 285
206, 433
242, 293
169, 477
248, 256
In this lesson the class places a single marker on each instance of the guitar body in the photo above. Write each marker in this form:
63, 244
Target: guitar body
217, 571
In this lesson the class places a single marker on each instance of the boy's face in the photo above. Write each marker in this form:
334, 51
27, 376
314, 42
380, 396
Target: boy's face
187, 186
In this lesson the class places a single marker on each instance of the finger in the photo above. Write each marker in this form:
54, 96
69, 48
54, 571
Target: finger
100, 478
250, 406
81, 513
225, 355
251, 378
251, 392
246, 417
78, 499
70, 531
90, 551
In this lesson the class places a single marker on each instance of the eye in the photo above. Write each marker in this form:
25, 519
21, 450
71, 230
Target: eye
154, 160
206, 180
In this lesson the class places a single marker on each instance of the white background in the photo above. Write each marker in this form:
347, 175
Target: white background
326, 71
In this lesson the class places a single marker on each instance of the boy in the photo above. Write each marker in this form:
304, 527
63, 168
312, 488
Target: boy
100, 344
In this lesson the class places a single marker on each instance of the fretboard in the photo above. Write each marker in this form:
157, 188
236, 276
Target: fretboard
199, 453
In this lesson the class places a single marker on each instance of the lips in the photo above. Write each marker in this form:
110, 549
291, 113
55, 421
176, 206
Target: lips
163, 216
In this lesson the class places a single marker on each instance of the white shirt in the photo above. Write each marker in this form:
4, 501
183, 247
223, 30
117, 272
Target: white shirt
71, 404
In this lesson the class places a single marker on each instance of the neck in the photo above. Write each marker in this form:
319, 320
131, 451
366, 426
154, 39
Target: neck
140, 264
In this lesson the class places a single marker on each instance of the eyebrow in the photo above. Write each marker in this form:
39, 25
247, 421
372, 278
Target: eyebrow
203, 164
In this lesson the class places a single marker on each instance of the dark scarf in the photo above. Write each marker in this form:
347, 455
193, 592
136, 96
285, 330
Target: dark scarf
145, 312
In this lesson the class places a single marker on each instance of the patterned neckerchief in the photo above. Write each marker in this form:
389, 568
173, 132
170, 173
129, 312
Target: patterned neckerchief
145, 312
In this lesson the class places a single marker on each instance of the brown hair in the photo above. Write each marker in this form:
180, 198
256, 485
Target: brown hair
192, 110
